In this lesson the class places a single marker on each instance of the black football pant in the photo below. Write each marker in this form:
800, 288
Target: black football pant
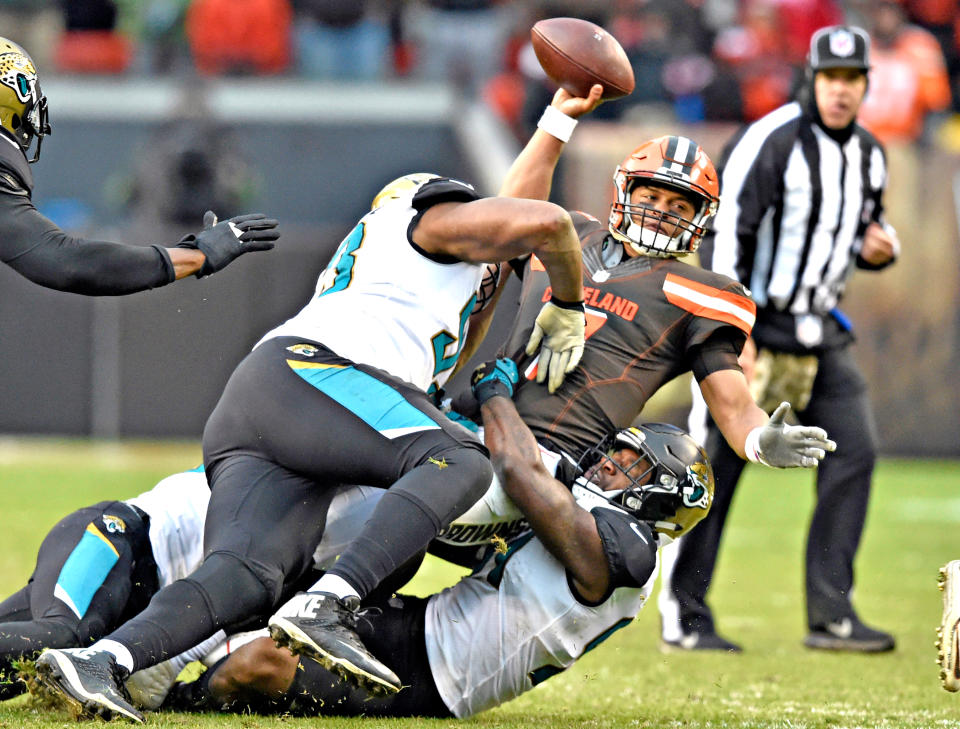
95, 569
294, 422
839, 405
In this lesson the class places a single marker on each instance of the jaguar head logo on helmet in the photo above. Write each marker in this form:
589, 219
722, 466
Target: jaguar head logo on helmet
23, 107
666, 481
667, 190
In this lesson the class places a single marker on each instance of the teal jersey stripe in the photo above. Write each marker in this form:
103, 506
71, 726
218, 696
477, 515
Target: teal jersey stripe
377, 404
84, 572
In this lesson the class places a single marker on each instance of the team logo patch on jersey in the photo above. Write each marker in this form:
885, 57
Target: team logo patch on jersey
304, 350
114, 524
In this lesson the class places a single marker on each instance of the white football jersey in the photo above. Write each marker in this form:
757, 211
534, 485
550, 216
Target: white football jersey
382, 302
512, 624
177, 507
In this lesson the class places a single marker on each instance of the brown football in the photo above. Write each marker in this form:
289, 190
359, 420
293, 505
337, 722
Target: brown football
576, 54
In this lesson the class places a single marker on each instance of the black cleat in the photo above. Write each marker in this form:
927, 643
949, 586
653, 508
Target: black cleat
90, 681
323, 627
700, 642
849, 634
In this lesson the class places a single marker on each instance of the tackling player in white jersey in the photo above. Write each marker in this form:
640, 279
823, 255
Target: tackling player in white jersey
531, 610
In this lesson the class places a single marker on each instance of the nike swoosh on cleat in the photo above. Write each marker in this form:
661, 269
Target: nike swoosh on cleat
68, 674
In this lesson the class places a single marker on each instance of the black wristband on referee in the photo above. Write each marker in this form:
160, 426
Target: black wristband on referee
575, 305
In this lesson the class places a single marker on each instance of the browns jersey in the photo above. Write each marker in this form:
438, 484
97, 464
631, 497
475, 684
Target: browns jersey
648, 321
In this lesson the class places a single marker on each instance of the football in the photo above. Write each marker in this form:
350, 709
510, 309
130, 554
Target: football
576, 54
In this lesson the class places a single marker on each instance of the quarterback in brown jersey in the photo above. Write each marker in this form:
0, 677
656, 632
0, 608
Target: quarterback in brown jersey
650, 316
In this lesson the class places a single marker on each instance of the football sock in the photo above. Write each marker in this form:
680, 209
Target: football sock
118, 650
335, 585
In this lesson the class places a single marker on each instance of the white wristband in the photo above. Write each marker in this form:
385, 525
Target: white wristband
557, 124
751, 446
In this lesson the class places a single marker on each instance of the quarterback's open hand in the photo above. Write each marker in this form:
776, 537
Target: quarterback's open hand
496, 377
561, 329
222, 242
780, 445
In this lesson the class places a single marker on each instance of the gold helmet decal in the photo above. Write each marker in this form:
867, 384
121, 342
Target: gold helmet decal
395, 188
23, 107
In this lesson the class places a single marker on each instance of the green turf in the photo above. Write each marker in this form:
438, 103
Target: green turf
911, 531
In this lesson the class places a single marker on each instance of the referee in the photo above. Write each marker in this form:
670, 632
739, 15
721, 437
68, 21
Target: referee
801, 206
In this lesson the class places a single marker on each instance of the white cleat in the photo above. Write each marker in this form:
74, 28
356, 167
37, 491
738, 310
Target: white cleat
948, 639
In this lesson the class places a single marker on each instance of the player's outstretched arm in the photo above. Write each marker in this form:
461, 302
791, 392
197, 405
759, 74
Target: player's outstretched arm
566, 530
531, 174
40, 251
752, 434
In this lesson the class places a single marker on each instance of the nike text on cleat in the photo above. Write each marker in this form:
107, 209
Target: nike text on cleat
90, 681
323, 627
948, 639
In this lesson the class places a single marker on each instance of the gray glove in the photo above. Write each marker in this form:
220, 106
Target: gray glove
560, 326
223, 242
779, 445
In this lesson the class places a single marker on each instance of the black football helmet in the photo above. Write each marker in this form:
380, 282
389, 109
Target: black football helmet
674, 489
23, 107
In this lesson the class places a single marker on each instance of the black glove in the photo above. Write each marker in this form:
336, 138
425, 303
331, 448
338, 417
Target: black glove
496, 377
222, 242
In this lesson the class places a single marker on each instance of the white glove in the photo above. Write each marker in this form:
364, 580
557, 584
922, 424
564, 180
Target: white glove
562, 332
779, 445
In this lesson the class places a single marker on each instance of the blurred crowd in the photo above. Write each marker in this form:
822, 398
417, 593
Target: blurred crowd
694, 60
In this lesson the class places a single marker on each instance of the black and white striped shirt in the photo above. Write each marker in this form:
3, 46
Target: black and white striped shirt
794, 205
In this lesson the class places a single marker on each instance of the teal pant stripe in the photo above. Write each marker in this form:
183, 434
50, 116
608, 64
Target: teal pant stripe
377, 404
84, 571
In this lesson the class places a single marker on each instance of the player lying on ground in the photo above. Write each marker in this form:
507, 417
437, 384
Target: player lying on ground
98, 566
101, 564
530, 611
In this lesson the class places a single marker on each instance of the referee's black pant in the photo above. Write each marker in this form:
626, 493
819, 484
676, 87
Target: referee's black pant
838, 404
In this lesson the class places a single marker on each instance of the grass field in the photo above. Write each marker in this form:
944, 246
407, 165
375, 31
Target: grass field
912, 529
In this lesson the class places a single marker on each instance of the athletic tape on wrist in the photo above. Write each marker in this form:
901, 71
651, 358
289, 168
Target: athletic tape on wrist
751, 446
557, 124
